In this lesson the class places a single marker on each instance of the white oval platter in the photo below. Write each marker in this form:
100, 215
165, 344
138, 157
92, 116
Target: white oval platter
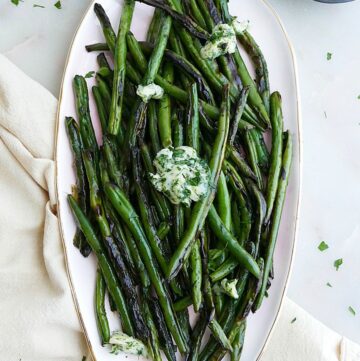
271, 36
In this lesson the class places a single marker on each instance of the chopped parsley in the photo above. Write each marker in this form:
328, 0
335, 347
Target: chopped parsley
293, 320
338, 263
58, 5
90, 74
352, 311
15, 2
358, 96
329, 284
328, 56
323, 246
38, 6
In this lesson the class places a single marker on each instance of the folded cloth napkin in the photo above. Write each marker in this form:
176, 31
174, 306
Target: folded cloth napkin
38, 318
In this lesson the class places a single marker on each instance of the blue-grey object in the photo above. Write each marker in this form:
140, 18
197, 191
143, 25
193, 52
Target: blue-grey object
334, 1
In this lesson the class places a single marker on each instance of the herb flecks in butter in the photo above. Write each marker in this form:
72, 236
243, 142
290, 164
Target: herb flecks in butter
150, 91
120, 342
221, 41
181, 175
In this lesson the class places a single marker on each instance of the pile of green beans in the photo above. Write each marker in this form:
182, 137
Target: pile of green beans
155, 258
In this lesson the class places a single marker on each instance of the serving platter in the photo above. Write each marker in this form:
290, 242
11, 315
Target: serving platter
267, 29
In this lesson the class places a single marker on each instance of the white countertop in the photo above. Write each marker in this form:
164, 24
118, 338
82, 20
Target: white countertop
37, 40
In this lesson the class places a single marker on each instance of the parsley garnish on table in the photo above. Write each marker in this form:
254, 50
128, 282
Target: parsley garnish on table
323, 246
58, 4
338, 263
328, 56
352, 311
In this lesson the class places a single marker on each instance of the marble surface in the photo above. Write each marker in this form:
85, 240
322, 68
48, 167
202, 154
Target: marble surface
37, 40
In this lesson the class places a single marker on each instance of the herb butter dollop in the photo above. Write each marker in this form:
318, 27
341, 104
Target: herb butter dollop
221, 41
121, 342
229, 287
181, 175
150, 91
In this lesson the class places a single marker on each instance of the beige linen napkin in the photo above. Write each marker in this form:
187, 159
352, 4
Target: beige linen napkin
37, 317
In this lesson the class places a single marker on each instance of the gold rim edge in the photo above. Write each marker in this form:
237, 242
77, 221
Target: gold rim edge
299, 140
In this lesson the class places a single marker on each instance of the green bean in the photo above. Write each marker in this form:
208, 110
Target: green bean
183, 303
104, 91
192, 119
198, 333
276, 216
223, 235
241, 164
235, 218
155, 25
197, 14
164, 335
226, 268
196, 275
218, 298
97, 47
153, 127
220, 335
253, 159
177, 49
183, 19
158, 52
201, 208
153, 341
260, 211
101, 318
108, 31
223, 201
112, 166
165, 109
160, 201
106, 268
82, 106
156, 245
261, 69
238, 341
177, 131
261, 150
120, 239
81, 181
163, 230
120, 51
240, 106
102, 111
246, 214
105, 68
128, 214
276, 152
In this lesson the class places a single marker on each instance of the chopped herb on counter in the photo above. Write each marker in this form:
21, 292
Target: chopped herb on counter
352, 311
323, 246
338, 263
